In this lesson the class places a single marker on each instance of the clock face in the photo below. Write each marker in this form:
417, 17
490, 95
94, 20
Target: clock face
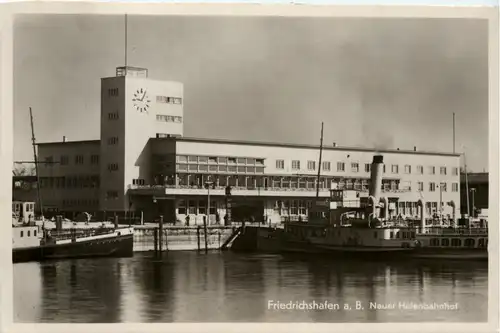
141, 100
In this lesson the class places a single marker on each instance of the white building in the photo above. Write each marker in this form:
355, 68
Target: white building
144, 164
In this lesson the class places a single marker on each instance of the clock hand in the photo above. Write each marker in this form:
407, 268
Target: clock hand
144, 95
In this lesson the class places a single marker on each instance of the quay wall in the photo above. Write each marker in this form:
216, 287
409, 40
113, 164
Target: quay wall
182, 238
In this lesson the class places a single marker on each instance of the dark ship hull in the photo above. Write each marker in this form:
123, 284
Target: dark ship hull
476, 254
115, 246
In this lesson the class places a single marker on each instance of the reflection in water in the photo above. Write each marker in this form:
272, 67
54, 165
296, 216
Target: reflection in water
219, 287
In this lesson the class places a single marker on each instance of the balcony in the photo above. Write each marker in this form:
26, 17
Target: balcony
236, 191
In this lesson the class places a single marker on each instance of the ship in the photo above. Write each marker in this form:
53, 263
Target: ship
349, 226
34, 242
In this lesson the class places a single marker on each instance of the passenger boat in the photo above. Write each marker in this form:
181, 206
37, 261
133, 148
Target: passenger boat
452, 243
345, 226
32, 242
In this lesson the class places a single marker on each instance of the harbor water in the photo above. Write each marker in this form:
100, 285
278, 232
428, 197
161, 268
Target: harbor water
230, 287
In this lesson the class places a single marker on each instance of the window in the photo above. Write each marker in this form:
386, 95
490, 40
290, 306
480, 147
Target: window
113, 140
394, 168
469, 242
420, 169
280, 164
241, 161
432, 187
407, 169
454, 187
295, 165
455, 171
443, 187
367, 167
94, 159
222, 160
259, 161
168, 100
311, 165
354, 167
445, 242
442, 171
112, 167
327, 166
113, 92
432, 170
193, 159
182, 207
64, 160
79, 159
168, 119
202, 159
112, 195
456, 242
138, 181
340, 166
112, 115
420, 186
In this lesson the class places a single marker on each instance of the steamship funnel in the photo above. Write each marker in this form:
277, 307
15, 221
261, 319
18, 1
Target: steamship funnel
376, 176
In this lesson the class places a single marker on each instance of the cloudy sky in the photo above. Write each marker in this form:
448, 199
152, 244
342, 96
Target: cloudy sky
384, 83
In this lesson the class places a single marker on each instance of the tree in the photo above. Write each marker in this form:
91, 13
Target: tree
23, 170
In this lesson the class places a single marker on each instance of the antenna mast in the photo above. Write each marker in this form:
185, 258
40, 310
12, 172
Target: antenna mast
319, 166
126, 28
453, 132
36, 164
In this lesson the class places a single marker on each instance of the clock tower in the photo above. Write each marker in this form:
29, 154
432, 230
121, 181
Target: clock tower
134, 109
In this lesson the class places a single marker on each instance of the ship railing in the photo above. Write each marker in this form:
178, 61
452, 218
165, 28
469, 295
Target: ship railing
242, 188
455, 231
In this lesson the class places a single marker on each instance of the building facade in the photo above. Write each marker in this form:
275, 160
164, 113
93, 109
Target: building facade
143, 165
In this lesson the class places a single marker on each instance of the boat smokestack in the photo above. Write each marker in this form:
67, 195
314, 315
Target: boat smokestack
377, 169
59, 223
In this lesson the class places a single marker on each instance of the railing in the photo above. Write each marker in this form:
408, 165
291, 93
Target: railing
253, 188
456, 231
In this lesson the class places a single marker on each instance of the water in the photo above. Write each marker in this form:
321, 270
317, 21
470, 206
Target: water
229, 287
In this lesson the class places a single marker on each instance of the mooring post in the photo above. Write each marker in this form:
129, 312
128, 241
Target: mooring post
116, 221
155, 240
205, 231
166, 239
198, 236
160, 236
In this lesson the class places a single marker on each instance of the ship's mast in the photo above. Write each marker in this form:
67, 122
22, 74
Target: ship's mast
319, 166
36, 164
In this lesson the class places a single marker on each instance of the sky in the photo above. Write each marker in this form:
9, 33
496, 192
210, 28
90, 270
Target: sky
382, 83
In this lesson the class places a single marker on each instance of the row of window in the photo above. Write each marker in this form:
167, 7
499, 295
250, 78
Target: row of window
113, 92
194, 207
168, 100
113, 140
219, 168
113, 167
168, 119
80, 202
138, 182
113, 116
355, 167
92, 181
457, 242
28, 233
78, 160
111, 195
216, 160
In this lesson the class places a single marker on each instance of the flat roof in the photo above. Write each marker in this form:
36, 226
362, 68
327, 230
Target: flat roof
304, 146
68, 142
273, 144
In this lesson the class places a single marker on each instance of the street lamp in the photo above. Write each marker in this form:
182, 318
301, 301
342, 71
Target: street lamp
208, 184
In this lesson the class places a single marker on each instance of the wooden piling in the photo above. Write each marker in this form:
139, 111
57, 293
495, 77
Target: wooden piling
155, 240
205, 231
198, 236
160, 236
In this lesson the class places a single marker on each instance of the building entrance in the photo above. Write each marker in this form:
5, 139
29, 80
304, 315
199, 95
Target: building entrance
248, 211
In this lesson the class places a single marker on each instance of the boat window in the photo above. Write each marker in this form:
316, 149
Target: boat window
445, 242
413, 234
434, 242
34, 233
391, 235
456, 242
397, 234
469, 242
481, 242
22, 233
28, 233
